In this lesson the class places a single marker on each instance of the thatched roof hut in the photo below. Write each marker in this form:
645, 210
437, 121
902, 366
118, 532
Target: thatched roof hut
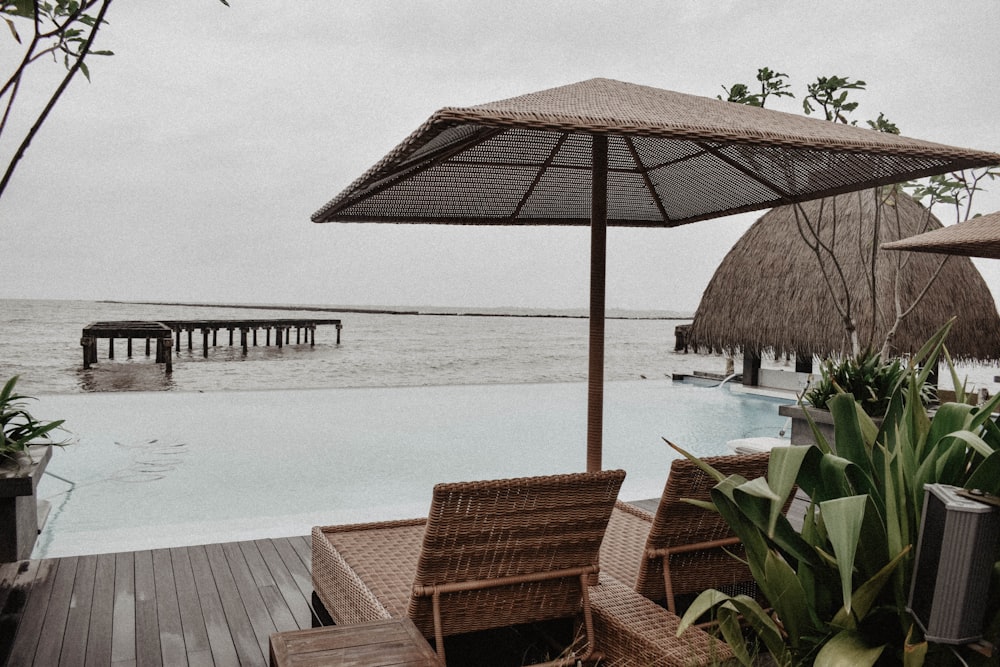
769, 295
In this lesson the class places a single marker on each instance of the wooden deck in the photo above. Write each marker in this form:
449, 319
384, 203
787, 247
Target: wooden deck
200, 605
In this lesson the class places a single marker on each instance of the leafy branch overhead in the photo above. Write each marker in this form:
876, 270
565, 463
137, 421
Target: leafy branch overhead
64, 30
835, 98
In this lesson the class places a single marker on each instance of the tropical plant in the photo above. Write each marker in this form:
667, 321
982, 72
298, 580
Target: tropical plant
18, 428
869, 378
838, 586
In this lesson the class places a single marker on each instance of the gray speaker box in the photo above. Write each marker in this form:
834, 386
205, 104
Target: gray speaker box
955, 553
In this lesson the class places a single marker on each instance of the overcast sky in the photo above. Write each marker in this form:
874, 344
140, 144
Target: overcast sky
189, 167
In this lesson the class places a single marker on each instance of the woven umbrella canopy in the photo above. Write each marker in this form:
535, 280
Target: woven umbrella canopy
605, 153
978, 237
768, 293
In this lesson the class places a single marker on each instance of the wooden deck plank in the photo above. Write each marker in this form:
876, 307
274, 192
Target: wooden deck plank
279, 611
242, 631
74, 645
298, 604
8, 574
193, 631
56, 613
147, 633
203, 606
16, 580
168, 614
102, 612
219, 636
253, 602
123, 614
300, 571
29, 629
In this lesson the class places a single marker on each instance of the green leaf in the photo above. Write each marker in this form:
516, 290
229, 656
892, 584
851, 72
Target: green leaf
732, 632
756, 499
13, 30
843, 518
706, 601
848, 436
913, 654
704, 467
863, 599
848, 649
986, 476
789, 599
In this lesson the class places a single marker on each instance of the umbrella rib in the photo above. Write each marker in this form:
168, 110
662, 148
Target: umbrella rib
444, 154
746, 172
538, 176
646, 179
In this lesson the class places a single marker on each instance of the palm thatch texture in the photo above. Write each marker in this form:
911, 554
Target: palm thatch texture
978, 237
603, 152
768, 295
490, 554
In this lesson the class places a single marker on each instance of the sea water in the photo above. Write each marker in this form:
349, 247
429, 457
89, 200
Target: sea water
274, 442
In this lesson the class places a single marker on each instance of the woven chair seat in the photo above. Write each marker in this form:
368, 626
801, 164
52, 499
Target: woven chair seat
682, 549
490, 554
632, 630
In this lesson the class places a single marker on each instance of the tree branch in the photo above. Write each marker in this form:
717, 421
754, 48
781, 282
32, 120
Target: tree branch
74, 68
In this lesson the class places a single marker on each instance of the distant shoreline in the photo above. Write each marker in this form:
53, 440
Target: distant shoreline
452, 312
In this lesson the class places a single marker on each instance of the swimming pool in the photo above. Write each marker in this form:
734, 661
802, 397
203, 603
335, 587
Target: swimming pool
161, 469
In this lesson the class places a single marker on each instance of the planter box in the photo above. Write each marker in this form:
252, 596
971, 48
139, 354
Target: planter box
18, 506
801, 432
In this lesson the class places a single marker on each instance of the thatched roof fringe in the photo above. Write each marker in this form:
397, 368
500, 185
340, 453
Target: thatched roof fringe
769, 296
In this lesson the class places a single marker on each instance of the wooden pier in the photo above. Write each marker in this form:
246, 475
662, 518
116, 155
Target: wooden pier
168, 333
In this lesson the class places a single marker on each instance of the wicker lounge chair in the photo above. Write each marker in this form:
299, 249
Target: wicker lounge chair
682, 549
490, 554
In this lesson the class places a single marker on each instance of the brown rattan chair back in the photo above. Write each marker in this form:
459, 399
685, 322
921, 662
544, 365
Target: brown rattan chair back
690, 549
503, 552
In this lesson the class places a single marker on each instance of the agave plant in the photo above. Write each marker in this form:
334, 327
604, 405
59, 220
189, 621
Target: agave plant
18, 428
838, 586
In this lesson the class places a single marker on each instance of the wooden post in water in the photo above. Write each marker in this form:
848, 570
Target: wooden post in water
215, 336
204, 343
147, 346
298, 335
190, 331
177, 332
129, 349
255, 336
339, 327
164, 347
267, 341
278, 337
111, 348
243, 340
230, 336
87, 343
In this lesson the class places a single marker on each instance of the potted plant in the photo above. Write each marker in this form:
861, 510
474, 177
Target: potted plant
866, 376
25, 450
838, 585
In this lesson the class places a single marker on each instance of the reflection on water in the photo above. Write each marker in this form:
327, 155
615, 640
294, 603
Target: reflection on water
124, 376
151, 460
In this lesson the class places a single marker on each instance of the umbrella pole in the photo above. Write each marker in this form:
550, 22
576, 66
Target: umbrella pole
598, 253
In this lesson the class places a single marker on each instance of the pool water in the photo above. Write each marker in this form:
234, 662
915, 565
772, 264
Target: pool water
158, 469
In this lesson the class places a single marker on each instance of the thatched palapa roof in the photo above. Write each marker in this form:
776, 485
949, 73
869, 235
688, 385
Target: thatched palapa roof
768, 295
